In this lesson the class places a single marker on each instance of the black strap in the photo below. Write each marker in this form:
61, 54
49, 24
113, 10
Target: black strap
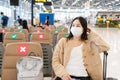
82, 78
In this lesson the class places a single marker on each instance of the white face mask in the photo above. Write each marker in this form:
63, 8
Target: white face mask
76, 31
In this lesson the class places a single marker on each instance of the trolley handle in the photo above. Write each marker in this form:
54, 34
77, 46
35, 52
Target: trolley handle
105, 65
106, 53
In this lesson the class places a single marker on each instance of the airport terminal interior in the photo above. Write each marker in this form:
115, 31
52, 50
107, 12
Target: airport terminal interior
34, 27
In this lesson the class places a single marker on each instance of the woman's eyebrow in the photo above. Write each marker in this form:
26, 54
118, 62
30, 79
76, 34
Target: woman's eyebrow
76, 24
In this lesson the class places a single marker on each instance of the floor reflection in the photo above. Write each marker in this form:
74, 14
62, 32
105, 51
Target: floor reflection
112, 36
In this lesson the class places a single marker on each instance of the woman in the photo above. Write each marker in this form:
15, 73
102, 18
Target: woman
25, 25
47, 22
77, 56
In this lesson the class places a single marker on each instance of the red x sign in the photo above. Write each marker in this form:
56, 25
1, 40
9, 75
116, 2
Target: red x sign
3, 30
49, 28
23, 49
38, 31
41, 36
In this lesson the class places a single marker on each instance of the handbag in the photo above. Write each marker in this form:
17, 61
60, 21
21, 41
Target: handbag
30, 68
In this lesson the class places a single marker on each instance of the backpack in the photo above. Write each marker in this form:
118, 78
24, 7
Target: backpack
30, 68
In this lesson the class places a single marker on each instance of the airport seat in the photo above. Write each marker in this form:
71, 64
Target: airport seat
59, 29
2, 50
62, 34
37, 29
53, 32
45, 39
1, 37
25, 31
12, 29
31, 29
4, 30
11, 37
54, 40
8, 29
62, 29
2, 33
47, 29
14, 51
42, 38
50, 29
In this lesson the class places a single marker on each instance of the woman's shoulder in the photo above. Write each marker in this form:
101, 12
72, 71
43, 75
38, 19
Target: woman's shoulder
92, 34
63, 39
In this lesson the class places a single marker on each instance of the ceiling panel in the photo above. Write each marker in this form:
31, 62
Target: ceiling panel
81, 4
93, 3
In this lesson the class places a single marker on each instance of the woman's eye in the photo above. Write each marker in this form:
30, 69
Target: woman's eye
79, 26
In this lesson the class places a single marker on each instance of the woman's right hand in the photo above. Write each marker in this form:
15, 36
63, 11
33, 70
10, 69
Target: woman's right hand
88, 30
66, 77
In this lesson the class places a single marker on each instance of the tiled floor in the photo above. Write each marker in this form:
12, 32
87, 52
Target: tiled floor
112, 36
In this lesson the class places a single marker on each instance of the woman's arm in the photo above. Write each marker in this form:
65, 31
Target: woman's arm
58, 68
95, 38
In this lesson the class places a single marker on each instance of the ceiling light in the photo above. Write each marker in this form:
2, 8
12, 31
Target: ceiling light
108, 3
96, 3
63, 2
118, 4
44, 8
113, 2
75, 2
52, 7
49, 0
110, 6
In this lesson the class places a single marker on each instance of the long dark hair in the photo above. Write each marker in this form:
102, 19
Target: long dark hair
48, 21
25, 25
84, 26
